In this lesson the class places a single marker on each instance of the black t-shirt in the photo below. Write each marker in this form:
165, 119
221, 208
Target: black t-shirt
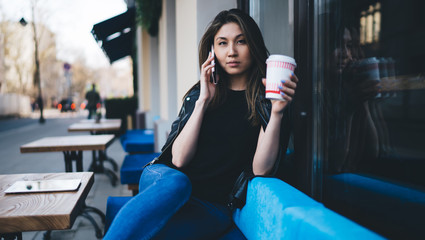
226, 145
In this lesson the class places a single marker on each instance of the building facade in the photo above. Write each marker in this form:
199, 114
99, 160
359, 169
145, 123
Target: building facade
359, 114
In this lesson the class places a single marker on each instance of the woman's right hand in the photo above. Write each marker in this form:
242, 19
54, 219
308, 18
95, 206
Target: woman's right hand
358, 88
186, 143
207, 87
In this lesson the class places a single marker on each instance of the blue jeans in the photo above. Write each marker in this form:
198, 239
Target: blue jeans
164, 209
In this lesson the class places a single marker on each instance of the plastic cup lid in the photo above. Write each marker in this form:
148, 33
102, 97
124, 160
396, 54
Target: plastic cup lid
281, 58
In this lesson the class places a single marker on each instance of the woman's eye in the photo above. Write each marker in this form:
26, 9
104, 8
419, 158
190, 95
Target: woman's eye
242, 41
221, 43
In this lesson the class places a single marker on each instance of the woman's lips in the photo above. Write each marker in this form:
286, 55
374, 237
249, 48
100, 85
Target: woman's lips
233, 64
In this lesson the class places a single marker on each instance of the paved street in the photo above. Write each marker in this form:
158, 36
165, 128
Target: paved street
16, 132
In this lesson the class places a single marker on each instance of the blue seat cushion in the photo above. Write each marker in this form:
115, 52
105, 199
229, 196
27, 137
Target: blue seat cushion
138, 140
113, 205
132, 167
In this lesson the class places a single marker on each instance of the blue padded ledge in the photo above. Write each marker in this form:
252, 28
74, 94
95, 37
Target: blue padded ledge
132, 165
322, 223
138, 140
276, 210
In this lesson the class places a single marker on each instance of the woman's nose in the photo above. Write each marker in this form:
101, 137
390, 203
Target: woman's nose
347, 53
232, 50
347, 50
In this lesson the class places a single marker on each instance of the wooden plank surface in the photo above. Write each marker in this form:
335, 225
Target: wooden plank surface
41, 211
96, 127
69, 143
102, 120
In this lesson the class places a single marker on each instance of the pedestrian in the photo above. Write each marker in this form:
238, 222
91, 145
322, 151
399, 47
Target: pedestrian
93, 99
219, 137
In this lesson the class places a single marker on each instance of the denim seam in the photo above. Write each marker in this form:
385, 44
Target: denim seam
153, 171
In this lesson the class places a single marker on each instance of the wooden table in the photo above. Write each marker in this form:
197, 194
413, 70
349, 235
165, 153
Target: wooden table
89, 125
104, 126
72, 147
41, 211
102, 120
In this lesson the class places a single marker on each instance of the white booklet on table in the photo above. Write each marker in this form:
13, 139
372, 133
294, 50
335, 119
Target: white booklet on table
52, 185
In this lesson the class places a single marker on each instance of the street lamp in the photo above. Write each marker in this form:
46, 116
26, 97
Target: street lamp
37, 78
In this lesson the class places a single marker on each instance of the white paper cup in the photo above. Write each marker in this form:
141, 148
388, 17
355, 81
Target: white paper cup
279, 67
371, 69
368, 69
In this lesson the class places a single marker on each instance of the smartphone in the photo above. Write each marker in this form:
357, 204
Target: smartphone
213, 78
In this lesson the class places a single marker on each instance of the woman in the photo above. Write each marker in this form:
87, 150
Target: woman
219, 133
352, 132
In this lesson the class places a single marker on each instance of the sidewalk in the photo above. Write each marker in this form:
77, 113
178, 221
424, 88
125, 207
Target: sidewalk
12, 161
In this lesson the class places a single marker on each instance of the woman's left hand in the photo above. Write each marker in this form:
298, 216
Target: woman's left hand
287, 90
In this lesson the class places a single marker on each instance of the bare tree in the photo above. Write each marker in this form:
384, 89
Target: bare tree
16, 51
82, 75
18, 62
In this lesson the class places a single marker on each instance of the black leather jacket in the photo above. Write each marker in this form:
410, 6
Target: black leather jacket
238, 195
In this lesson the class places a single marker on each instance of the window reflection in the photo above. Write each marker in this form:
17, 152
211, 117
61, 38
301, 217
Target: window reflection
377, 22
354, 84
370, 24
373, 92
374, 101
363, 28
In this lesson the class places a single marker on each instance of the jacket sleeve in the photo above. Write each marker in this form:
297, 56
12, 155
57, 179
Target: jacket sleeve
174, 128
184, 115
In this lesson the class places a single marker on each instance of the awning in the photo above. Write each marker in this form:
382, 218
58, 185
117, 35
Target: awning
116, 35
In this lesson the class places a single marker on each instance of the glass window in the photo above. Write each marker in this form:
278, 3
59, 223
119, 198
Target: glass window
275, 18
372, 66
276, 21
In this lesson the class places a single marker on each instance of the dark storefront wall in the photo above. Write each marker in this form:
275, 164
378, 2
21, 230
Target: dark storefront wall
359, 113
369, 71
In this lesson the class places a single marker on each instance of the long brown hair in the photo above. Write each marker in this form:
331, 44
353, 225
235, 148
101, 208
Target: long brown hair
258, 51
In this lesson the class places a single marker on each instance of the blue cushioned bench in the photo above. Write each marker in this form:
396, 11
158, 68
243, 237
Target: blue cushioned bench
132, 168
276, 210
138, 141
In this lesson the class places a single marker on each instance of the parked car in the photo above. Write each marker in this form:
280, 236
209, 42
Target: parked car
66, 105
